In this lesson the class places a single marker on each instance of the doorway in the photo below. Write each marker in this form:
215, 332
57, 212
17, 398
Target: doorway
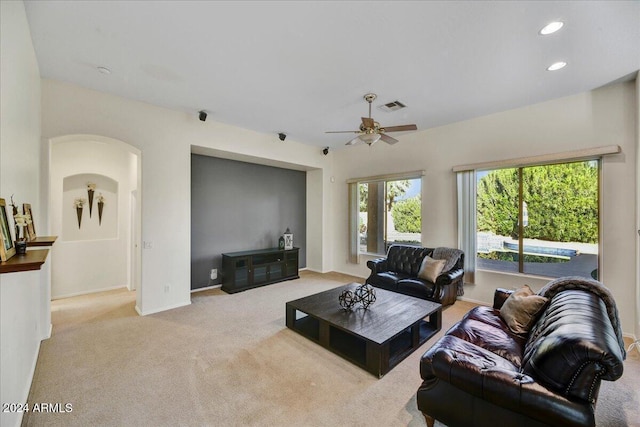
97, 249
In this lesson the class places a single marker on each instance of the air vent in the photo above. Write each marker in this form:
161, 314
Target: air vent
392, 106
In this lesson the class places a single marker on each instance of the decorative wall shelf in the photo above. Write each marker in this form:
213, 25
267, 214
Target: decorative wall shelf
32, 260
42, 241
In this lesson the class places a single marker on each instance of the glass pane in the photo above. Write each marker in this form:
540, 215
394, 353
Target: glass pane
404, 212
561, 229
389, 212
560, 220
497, 219
371, 217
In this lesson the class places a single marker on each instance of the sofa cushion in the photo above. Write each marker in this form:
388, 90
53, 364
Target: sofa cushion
386, 280
491, 317
496, 339
430, 268
416, 287
521, 310
454, 360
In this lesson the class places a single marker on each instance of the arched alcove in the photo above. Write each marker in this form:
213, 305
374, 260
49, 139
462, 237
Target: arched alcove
95, 254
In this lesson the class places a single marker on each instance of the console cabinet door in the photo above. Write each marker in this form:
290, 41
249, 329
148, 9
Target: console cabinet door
239, 271
291, 263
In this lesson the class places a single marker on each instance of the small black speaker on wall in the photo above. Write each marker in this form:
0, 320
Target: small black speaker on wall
202, 115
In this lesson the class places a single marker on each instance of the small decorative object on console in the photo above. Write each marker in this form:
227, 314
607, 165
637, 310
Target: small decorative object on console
363, 294
288, 239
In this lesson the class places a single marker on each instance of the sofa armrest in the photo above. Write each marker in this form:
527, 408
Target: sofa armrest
377, 265
500, 296
449, 277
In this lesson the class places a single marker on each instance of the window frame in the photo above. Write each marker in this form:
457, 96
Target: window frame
467, 233
353, 192
521, 202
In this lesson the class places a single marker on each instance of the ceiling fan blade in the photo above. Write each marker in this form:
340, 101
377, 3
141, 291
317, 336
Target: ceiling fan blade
368, 123
343, 131
354, 141
388, 139
399, 128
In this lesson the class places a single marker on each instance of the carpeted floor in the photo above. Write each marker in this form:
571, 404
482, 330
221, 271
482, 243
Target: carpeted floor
229, 360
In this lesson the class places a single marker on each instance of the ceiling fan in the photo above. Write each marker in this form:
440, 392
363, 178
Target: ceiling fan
370, 131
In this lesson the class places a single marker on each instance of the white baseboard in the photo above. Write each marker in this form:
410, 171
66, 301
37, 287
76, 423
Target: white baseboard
313, 270
94, 291
206, 288
475, 301
158, 310
347, 274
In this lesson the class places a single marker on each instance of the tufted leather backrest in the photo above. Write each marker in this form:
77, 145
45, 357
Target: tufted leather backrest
406, 259
573, 346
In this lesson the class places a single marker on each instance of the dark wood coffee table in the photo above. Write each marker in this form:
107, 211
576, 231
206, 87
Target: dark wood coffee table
376, 339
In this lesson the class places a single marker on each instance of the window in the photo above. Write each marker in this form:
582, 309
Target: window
384, 211
541, 220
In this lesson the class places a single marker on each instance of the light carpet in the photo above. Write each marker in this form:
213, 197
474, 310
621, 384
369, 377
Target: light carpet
229, 360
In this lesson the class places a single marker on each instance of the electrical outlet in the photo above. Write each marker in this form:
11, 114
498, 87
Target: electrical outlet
214, 274
167, 288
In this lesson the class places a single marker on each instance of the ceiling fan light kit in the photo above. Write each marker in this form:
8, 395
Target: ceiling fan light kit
371, 132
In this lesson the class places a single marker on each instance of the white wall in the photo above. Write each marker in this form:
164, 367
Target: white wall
93, 257
165, 139
23, 303
602, 117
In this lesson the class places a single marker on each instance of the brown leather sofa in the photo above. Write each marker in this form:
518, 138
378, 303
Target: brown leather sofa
482, 374
398, 272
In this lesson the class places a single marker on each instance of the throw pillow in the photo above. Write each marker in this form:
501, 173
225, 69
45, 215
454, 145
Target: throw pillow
520, 311
430, 268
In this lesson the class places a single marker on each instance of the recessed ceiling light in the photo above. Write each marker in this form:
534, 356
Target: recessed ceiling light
556, 66
104, 70
551, 28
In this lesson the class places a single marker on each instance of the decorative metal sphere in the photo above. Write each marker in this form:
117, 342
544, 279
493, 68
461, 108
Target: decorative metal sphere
365, 295
347, 300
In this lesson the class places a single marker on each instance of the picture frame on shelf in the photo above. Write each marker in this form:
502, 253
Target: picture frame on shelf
7, 248
31, 228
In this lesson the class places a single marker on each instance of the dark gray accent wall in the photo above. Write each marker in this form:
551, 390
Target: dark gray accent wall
237, 206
